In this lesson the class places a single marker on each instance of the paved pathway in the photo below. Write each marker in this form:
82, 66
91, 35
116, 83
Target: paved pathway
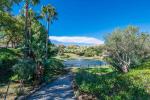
60, 89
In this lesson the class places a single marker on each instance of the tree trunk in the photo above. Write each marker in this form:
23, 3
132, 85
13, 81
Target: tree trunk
39, 73
26, 29
12, 44
47, 39
21, 87
30, 38
7, 91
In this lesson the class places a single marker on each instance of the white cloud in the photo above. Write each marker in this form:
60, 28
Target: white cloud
76, 39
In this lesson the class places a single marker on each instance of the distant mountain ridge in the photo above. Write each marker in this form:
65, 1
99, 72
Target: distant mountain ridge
63, 43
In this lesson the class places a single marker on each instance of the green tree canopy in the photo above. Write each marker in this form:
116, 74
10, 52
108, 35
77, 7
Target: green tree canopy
127, 48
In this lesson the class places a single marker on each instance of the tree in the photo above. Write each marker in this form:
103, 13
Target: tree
61, 50
49, 13
27, 35
5, 5
127, 48
11, 29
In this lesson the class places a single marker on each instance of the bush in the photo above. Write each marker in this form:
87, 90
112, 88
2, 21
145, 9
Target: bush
65, 56
80, 53
24, 69
52, 67
116, 86
8, 57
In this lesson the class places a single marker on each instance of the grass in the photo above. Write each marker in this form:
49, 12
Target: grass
13, 88
107, 84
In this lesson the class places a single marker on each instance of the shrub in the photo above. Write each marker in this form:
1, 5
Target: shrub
24, 69
127, 48
116, 86
8, 57
65, 56
52, 67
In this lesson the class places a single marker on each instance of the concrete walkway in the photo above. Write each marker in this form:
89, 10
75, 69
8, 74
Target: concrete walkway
60, 89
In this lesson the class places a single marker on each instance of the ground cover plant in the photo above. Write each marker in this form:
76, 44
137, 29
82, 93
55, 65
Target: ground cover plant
108, 84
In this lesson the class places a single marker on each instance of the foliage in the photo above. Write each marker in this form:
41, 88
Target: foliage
24, 69
61, 50
11, 30
127, 48
94, 51
114, 85
5, 5
49, 13
88, 51
8, 57
25, 33
38, 40
52, 67
52, 50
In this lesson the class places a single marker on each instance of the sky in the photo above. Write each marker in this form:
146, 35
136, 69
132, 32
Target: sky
80, 21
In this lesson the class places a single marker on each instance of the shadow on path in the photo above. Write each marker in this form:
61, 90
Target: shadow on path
60, 89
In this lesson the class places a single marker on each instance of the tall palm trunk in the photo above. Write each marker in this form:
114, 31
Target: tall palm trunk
26, 29
30, 37
48, 24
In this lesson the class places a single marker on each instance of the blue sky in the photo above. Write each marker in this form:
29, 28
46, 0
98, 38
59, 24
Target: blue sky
95, 18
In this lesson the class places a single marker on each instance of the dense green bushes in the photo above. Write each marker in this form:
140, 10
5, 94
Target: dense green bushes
12, 65
88, 51
133, 85
24, 69
94, 51
52, 67
8, 57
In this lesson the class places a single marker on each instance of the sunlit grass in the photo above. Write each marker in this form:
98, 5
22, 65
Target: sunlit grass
12, 92
108, 84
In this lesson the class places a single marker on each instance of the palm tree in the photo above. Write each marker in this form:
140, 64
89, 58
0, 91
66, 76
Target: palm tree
32, 16
5, 5
50, 14
27, 35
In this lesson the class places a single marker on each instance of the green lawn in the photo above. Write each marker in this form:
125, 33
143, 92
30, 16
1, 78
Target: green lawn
107, 84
